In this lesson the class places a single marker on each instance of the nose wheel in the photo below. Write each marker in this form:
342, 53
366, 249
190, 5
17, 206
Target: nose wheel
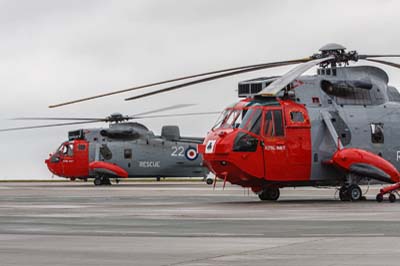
350, 193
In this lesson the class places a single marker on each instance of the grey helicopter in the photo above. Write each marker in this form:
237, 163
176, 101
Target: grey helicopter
123, 150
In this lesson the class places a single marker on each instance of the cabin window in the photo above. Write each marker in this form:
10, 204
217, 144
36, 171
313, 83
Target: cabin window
128, 153
297, 117
377, 133
81, 147
105, 152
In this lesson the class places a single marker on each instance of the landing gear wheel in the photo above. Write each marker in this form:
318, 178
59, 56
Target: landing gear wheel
271, 193
209, 181
97, 181
354, 192
106, 181
379, 197
343, 194
101, 181
392, 197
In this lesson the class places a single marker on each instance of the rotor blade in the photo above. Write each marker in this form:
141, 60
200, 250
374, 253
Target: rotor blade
277, 85
365, 56
153, 84
60, 118
48, 125
384, 62
270, 65
175, 115
164, 109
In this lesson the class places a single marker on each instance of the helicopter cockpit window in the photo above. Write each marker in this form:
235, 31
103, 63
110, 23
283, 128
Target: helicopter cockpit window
273, 125
252, 121
70, 151
377, 133
268, 125
66, 149
221, 118
229, 119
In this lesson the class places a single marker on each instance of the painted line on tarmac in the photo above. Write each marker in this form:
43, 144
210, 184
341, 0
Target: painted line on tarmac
344, 235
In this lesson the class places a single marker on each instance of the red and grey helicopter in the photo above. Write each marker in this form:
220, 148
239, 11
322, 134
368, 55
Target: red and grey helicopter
339, 127
124, 149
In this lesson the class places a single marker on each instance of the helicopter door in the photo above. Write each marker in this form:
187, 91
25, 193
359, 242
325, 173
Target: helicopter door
75, 159
298, 142
274, 142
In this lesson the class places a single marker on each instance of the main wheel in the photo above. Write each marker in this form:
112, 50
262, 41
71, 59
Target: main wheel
271, 193
392, 197
379, 197
97, 181
106, 181
354, 192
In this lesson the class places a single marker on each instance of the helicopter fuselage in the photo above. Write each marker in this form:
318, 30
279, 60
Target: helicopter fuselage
291, 140
125, 150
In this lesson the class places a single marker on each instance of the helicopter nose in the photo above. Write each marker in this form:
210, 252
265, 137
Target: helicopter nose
51, 166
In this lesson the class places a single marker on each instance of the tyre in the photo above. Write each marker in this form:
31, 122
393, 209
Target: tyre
379, 197
271, 193
106, 181
274, 193
209, 181
97, 181
354, 192
392, 197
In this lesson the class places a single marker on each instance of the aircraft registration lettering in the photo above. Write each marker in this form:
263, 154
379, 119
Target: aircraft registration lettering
149, 164
275, 148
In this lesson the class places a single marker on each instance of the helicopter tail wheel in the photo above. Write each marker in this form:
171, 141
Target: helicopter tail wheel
270, 193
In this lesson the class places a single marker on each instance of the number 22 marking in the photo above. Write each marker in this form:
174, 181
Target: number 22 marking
177, 151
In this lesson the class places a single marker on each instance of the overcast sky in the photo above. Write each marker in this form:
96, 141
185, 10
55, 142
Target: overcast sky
52, 51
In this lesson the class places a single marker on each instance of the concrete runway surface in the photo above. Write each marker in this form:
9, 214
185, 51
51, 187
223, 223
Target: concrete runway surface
187, 223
